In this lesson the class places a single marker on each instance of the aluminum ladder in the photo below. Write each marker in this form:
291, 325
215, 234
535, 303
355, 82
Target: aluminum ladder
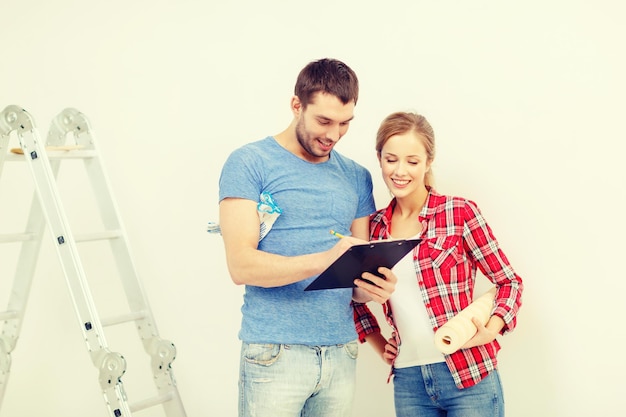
47, 208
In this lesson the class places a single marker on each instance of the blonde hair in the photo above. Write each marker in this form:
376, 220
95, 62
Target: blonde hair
399, 123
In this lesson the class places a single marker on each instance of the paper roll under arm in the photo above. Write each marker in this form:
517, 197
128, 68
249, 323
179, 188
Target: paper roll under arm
459, 329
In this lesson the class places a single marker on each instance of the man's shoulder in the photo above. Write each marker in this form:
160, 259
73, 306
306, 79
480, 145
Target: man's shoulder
251, 151
347, 162
255, 146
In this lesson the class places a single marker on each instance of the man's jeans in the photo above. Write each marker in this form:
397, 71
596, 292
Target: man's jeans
297, 380
429, 391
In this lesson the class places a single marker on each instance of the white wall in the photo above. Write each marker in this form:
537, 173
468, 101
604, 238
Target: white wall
527, 101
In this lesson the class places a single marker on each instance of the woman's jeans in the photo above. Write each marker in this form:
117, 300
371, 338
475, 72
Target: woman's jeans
429, 391
297, 380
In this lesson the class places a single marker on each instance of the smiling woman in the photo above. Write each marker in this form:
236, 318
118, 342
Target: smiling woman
436, 282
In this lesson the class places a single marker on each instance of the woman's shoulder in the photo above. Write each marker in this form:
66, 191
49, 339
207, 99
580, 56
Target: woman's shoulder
446, 202
449, 198
378, 214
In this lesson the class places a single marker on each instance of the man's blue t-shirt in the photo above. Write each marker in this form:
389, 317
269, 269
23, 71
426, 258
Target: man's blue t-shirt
314, 199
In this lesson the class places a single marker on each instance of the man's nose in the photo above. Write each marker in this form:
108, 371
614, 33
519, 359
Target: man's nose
333, 132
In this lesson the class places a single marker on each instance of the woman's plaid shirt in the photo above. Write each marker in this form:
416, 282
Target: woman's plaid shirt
456, 240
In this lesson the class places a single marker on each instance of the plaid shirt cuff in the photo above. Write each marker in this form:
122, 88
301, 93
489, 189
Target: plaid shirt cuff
364, 321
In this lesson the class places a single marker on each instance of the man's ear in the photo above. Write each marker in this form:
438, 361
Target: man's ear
296, 106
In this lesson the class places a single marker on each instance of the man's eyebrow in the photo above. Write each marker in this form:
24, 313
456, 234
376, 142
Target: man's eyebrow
328, 119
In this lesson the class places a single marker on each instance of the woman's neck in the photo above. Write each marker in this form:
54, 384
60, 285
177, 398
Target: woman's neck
411, 205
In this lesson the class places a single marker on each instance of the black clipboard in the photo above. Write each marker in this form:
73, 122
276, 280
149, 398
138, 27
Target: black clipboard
362, 258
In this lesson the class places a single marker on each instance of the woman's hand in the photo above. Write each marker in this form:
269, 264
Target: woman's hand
485, 333
391, 350
377, 289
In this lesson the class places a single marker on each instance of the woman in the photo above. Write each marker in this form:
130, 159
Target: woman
435, 282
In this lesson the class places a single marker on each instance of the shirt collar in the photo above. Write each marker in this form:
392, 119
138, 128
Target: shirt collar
433, 200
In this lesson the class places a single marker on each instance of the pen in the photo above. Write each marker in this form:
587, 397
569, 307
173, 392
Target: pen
339, 235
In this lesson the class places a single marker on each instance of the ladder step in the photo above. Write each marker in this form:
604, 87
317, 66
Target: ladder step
71, 154
6, 315
16, 237
90, 237
150, 402
123, 318
55, 152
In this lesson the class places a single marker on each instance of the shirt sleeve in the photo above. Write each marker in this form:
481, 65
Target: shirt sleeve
241, 175
484, 249
364, 321
366, 197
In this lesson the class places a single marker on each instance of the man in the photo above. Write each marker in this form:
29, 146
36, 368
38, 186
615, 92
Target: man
299, 347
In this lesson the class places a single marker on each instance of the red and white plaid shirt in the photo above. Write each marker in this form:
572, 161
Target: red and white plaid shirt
456, 240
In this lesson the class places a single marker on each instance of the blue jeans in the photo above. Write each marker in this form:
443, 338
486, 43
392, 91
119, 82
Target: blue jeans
429, 391
297, 380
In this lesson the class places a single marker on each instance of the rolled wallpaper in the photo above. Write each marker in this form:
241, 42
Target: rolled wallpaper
459, 329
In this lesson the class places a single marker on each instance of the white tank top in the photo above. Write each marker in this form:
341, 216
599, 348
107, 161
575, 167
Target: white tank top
411, 319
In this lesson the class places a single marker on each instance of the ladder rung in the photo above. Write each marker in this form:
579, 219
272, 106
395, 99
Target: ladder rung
5, 315
16, 237
71, 154
123, 318
54, 154
90, 237
150, 402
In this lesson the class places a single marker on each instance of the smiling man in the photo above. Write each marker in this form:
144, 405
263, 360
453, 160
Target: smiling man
299, 347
